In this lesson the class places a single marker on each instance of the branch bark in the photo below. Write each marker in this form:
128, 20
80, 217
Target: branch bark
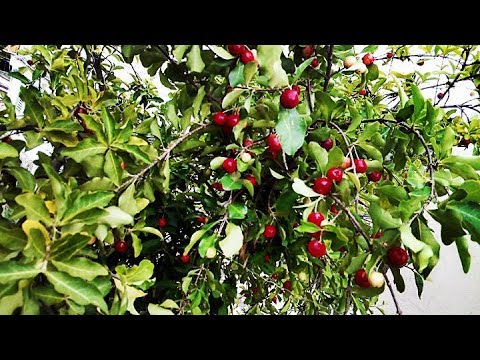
392, 292
328, 73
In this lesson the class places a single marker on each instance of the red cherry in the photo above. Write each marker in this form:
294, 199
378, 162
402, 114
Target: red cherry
219, 118
375, 176
232, 120
255, 290
296, 88
316, 248
30, 62
289, 99
236, 50
201, 219
315, 63
377, 235
317, 235
316, 218
322, 185
251, 179
273, 143
368, 59
274, 299
287, 285
343, 249
397, 257
121, 247
270, 231
218, 186
247, 56
185, 259
123, 165
347, 162
327, 144
464, 142
389, 54
440, 95
308, 51
162, 222
229, 165
275, 276
362, 92
360, 165
333, 209
247, 142
266, 258
335, 174
361, 278
7, 139
79, 110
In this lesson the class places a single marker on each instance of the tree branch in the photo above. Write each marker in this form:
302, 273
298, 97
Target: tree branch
392, 292
328, 73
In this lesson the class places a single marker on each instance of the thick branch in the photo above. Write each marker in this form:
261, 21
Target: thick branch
328, 73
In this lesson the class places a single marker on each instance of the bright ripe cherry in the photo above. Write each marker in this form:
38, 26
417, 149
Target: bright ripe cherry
232, 120
361, 278
316, 218
247, 56
335, 174
347, 162
270, 231
376, 279
440, 95
202, 219
247, 142
266, 258
322, 185
185, 259
289, 99
315, 63
308, 51
229, 165
333, 209
343, 249
252, 180
375, 176
368, 59
287, 285
327, 144
236, 50
362, 92
360, 165
389, 54
377, 235
296, 88
397, 257
219, 118
121, 247
317, 248
273, 143
275, 276
162, 222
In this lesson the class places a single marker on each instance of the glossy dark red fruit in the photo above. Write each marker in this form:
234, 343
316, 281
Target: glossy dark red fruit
255, 290
121, 247
315, 63
377, 235
219, 118
361, 278
333, 209
335, 174
316, 218
464, 142
375, 176
440, 95
360, 165
287, 285
247, 56
327, 144
362, 92
252, 180
266, 258
322, 185
247, 142
317, 235
236, 50
162, 222
218, 186
343, 249
202, 219
30, 62
289, 99
316, 248
229, 165
79, 110
7, 139
397, 257
308, 51
368, 59
275, 276
296, 88
389, 54
232, 120
274, 299
273, 143
270, 231
185, 259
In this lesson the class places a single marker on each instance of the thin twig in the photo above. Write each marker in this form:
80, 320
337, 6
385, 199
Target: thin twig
328, 73
392, 292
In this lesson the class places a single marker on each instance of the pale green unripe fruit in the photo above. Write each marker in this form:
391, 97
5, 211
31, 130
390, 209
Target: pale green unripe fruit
376, 279
349, 61
211, 252
302, 276
246, 157
362, 69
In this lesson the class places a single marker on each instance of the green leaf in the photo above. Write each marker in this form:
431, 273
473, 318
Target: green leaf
80, 291
128, 203
7, 151
372, 72
465, 258
249, 71
335, 157
409, 240
231, 97
319, 154
221, 52
68, 247
84, 150
194, 59
137, 245
197, 102
217, 162
113, 168
66, 126
34, 207
291, 129
470, 214
33, 110
231, 182
10, 303
12, 271
300, 69
206, 243
473, 161
356, 263
47, 295
154, 309
237, 210
325, 105
301, 188
135, 151
276, 175
451, 222
169, 304
472, 188
38, 239
116, 217
418, 101
137, 274
196, 236
11, 238
398, 279
371, 151
87, 201
307, 227
233, 242
179, 51
393, 192
382, 218
271, 70
236, 77
81, 267
25, 179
